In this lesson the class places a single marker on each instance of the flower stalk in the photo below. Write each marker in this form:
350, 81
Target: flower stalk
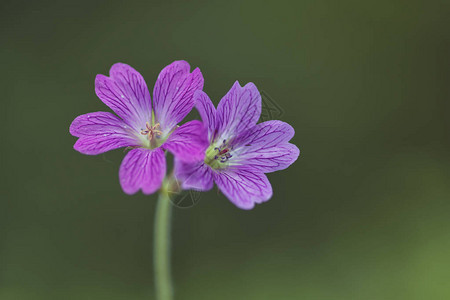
161, 251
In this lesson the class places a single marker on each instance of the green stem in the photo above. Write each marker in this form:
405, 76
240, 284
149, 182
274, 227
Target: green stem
161, 251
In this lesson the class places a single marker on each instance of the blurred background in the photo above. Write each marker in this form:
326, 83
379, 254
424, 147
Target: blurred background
363, 213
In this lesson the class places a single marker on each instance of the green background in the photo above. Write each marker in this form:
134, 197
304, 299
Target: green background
363, 213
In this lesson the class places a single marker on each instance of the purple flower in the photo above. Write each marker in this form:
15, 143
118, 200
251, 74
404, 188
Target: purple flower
145, 128
240, 151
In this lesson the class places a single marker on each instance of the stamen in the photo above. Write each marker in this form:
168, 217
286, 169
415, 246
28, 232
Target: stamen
223, 152
150, 131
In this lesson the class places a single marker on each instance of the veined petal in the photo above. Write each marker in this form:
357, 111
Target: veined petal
243, 187
126, 93
142, 169
188, 142
238, 110
173, 93
207, 112
265, 147
100, 132
266, 134
269, 159
197, 176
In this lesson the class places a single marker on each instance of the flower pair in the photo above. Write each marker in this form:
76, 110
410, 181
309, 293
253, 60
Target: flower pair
229, 147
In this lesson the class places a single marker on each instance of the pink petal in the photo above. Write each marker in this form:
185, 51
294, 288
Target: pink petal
238, 110
100, 132
243, 187
173, 93
126, 93
265, 147
197, 176
188, 142
142, 169
207, 112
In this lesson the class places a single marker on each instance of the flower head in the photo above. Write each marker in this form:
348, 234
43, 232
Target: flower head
145, 127
240, 151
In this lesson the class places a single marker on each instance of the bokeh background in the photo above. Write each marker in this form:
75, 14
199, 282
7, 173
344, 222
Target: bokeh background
363, 214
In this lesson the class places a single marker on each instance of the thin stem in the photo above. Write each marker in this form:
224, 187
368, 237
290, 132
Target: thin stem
161, 251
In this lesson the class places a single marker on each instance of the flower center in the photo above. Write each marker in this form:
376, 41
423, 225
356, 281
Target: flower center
217, 157
153, 134
151, 131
